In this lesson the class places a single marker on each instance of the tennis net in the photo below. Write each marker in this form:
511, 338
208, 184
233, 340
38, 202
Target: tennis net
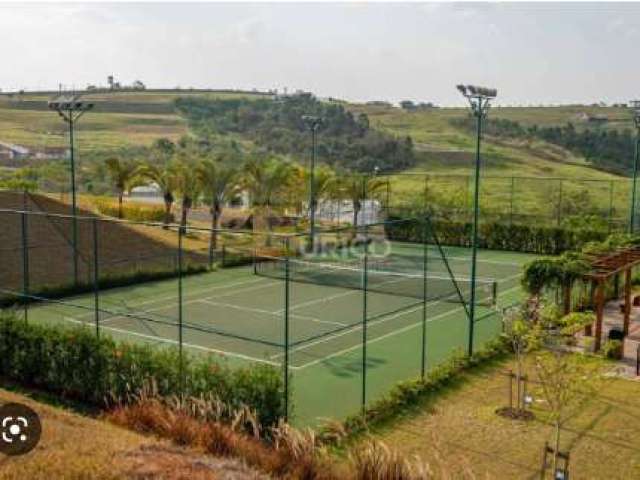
438, 287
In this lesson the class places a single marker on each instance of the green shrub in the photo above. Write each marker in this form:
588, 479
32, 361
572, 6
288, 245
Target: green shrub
409, 392
548, 240
612, 349
76, 364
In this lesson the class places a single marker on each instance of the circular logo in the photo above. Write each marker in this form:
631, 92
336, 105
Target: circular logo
20, 429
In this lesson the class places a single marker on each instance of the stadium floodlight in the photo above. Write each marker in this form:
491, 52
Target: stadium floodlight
635, 110
313, 123
71, 108
479, 101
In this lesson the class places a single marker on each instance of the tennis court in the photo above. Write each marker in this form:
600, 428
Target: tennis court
241, 315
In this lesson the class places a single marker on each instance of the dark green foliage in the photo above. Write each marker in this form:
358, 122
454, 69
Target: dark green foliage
277, 126
76, 364
546, 240
608, 149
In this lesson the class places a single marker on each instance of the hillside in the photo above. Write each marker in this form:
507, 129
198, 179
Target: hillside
119, 119
443, 148
74, 446
123, 250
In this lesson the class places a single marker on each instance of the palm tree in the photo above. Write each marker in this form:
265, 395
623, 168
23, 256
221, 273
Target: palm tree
358, 188
187, 187
124, 175
164, 177
219, 181
265, 180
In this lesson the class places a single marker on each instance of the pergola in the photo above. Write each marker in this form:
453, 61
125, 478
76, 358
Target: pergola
605, 266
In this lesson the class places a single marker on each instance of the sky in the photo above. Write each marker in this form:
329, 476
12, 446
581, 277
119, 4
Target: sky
544, 53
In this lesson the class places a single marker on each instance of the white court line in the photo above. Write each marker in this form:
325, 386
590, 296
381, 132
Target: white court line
175, 342
268, 312
359, 326
195, 300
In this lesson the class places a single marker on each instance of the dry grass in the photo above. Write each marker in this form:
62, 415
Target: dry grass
602, 440
76, 447
281, 452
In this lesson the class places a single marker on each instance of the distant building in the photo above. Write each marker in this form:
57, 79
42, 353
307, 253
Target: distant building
595, 119
10, 151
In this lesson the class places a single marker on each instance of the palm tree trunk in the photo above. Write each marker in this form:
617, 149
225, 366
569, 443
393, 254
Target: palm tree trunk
186, 205
168, 202
556, 449
566, 291
213, 239
356, 210
120, 194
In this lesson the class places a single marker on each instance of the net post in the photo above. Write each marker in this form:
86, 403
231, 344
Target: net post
365, 274
180, 325
423, 359
25, 265
96, 278
287, 295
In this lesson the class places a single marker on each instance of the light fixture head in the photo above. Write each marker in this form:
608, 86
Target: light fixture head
476, 91
69, 103
312, 121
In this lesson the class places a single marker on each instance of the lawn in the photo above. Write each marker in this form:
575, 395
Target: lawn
460, 428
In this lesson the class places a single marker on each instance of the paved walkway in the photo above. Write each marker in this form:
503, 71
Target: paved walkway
613, 318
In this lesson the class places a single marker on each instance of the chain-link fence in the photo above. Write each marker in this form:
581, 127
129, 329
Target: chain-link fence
569, 202
344, 317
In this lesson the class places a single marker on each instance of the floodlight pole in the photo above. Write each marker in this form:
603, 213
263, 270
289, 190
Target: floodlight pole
313, 124
479, 101
70, 110
635, 104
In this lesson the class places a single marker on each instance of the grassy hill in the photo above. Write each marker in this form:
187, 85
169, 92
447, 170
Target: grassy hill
119, 119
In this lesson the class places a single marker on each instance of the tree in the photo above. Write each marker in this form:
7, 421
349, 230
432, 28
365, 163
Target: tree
358, 188
567, 383
124, 175
524, 335
265, 179
164, 176
187, 187
219, 180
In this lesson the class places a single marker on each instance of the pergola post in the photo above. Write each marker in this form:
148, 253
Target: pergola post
599, 313
627, 301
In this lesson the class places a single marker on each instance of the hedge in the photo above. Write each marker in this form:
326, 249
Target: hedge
74, 363
546, 240
409, 393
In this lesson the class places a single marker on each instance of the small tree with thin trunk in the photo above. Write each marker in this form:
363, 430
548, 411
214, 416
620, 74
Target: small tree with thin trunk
164, 176
567, 383
524, 335
219, 180
188, 187
124, 175
358, 188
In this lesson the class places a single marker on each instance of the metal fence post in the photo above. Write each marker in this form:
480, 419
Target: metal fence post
96, 278
287, 294
513, 181
25, 265
425, 250
365, 275
559, 219
611, 187
180, 325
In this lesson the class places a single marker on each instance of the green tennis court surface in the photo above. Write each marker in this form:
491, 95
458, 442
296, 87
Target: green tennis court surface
240, 315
